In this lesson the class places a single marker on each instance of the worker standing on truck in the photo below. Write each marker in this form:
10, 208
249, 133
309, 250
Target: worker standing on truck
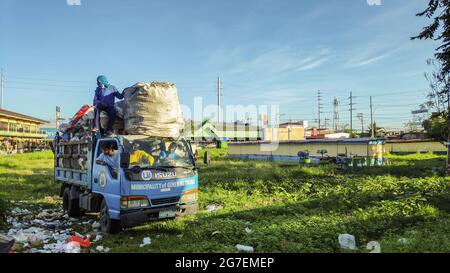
104, 100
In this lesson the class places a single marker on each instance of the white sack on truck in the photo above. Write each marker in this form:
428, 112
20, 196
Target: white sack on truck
153, 109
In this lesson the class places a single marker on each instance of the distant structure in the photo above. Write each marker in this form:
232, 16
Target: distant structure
336, 114
20, 133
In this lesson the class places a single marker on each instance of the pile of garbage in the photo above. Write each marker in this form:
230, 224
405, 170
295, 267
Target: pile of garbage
81, 124
52, 231
153, 109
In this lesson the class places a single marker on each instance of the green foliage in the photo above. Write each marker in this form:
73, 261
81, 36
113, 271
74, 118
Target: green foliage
289, 208
438, 29
436, 127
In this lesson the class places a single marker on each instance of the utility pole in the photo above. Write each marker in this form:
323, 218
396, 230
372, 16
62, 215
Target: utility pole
219, 89
326, 122
319, 105
351, 112
1, 88
58, 116
360, 116
371, 118
336, 114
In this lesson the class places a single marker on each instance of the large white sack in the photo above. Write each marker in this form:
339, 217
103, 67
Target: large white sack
153, 109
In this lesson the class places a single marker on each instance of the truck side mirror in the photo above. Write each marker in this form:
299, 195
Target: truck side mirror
125, 160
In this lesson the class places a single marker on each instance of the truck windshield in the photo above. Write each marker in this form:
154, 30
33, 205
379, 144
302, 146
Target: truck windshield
158, 152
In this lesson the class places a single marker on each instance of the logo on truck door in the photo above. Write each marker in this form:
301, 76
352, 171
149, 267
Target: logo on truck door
147, 175
102, 180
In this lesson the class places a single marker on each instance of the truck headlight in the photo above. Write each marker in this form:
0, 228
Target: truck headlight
133, 202
189, 196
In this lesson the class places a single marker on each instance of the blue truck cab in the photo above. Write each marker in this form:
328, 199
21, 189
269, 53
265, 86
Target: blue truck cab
129, 180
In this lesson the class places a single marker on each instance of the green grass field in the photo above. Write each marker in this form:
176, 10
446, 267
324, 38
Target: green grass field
404, 206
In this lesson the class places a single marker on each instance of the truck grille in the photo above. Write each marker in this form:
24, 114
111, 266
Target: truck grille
163, 201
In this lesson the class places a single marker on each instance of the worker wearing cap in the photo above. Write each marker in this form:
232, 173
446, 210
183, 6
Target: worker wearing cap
104, 100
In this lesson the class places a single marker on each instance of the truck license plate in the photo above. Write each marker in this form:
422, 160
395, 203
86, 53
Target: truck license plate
166, 214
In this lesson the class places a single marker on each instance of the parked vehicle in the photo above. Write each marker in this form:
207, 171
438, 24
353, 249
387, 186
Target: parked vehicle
148, 184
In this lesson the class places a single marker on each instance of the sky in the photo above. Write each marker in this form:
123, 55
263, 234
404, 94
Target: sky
267, 52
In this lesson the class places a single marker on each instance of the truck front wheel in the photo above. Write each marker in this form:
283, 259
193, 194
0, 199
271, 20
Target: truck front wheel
107, 224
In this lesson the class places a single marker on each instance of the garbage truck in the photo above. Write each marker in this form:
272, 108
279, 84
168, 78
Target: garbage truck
148, 184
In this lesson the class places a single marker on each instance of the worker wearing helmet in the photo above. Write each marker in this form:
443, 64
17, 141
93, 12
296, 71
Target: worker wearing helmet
104, 100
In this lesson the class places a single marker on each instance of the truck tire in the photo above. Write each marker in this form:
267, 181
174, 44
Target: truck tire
72, 206
107, 224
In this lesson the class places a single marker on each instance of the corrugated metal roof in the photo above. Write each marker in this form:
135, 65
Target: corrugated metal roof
15, 115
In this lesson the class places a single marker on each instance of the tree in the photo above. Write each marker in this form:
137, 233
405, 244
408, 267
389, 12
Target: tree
438, 30
437, 97
376, 130
411, 126
436, 127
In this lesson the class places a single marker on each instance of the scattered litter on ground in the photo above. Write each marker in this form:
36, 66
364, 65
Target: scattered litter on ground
96, 225
145, 241
102, 249
403, 241
180, 235
50, 231
347, 241
244, 248
98, 238
374, 247
214, 207
215, 233
83, 242
248, 230
72, 247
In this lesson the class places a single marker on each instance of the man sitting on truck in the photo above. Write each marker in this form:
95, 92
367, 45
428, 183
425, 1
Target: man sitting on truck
104, 100
109, 156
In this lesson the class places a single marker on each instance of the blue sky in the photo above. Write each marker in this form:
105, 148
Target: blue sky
266, 51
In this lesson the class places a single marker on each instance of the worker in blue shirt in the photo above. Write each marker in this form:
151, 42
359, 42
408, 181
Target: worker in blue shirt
109, 156
104, 100
171, 155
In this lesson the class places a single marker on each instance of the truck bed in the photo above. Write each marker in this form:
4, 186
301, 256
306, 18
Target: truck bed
73, 163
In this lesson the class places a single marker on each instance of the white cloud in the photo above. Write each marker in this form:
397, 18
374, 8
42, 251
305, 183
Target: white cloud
276, 62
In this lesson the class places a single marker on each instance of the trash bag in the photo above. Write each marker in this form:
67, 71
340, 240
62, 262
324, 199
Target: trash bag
153, 109
120, 109
347, 241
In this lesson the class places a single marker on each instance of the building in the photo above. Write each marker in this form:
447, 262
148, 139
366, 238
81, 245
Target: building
404, 146
230, 131
373, 149
20, 133
50, 129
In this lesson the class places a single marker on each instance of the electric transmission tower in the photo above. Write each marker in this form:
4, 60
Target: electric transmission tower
319, 106
336, 114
